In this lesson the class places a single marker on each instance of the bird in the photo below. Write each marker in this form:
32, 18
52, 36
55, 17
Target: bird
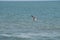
34, 18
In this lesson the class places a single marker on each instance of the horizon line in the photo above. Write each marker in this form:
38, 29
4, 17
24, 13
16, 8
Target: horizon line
19, 1
29, 0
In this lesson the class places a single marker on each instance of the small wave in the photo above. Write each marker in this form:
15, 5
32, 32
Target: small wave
14, 35
6, 35
31, 35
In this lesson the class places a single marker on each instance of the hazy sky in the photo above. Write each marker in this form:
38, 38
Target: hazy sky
29, 0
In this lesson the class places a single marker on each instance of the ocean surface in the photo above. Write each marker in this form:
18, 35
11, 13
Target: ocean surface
16, 22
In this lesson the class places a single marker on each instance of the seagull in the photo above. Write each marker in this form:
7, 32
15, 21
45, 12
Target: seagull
34, 18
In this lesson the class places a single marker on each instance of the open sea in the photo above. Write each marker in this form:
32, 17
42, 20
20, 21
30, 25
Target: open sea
16, 22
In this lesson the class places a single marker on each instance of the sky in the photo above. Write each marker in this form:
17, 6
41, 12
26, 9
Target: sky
29, 0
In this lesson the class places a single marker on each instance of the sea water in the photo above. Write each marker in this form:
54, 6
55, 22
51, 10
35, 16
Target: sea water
16, 22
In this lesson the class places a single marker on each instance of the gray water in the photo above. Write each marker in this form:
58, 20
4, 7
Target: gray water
16, 22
